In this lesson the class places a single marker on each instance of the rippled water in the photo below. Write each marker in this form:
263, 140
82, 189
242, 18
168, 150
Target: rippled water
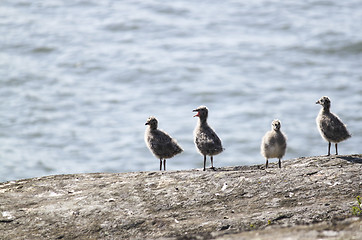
79, 78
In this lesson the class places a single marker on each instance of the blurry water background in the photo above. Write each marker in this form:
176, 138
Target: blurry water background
79, 78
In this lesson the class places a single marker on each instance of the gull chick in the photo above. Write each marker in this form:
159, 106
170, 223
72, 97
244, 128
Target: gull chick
160, 143
206, 140
274, 143
330, 126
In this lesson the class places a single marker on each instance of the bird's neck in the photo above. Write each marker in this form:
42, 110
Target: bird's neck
326, 109
203, 121
153, 128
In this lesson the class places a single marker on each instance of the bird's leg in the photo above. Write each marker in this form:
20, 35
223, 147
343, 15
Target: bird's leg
212, 162
329, 148
266, 164
204, 162
280, 163
160, 164
164, 164
336, 149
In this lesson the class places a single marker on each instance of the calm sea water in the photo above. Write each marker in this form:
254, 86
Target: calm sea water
79, 78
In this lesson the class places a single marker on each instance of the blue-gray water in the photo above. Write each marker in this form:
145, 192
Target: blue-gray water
79, 78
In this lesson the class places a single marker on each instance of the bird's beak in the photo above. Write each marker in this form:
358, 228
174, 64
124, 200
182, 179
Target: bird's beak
197, 114
147, 123
317, 102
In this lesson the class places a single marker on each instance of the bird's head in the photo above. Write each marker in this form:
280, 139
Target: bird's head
152, 122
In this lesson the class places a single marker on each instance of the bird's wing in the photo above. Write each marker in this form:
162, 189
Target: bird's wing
333, 127
162, 142
207, 139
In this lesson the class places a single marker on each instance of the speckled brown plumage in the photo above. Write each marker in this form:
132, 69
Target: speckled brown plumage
160, 143
206, 139
330, 126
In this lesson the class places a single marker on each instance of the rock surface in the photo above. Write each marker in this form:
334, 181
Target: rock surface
309, 198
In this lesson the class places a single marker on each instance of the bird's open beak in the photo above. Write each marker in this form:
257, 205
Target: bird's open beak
147, 123
197, 114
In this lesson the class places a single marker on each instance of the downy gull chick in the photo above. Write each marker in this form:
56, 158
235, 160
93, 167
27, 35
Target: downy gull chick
330, 126
206, 140
274, 143
160, 143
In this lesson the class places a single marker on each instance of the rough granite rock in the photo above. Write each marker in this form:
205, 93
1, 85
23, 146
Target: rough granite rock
309, 198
